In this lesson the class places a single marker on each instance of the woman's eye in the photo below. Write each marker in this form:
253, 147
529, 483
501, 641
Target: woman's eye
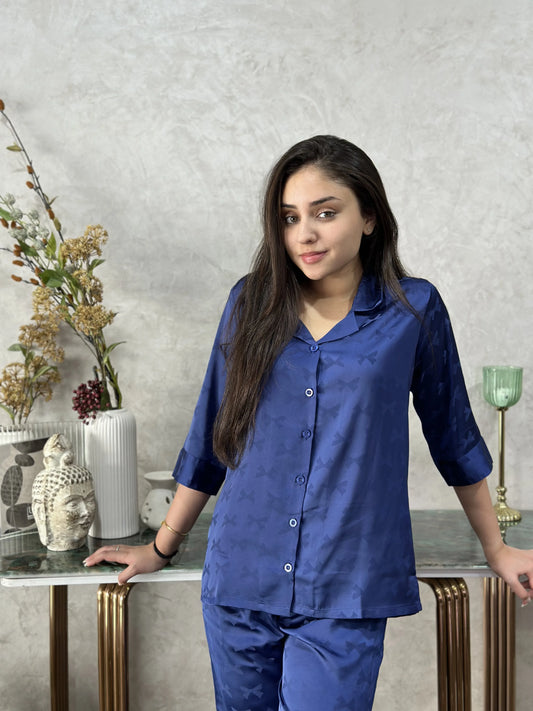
325, 214
290, 219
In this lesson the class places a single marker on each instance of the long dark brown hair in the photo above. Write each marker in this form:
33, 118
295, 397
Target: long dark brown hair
266, 313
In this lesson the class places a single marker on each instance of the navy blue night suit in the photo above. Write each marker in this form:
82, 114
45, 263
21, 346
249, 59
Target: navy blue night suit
310, 547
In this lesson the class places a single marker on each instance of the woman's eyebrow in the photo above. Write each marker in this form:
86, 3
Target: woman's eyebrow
312, 204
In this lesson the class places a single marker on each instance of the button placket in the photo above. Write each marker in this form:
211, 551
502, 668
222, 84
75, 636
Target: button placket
307, 386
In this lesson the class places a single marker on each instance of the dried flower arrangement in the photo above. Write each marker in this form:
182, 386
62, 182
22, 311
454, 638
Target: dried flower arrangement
65, 290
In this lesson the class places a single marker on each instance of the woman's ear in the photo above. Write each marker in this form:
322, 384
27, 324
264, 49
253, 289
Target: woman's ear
369, 225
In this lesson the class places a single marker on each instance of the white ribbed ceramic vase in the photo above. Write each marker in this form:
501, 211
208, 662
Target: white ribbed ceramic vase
111, 457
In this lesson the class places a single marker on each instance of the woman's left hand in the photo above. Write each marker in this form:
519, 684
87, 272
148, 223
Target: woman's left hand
515, 566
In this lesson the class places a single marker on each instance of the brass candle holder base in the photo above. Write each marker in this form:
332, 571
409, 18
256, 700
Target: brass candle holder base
504, 513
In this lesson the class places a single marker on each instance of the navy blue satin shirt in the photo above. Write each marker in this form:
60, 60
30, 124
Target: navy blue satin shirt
315, 520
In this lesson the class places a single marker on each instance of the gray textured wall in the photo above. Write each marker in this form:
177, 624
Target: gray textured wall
159, 119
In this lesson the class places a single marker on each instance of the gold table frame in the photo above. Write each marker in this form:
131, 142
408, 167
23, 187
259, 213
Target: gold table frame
58, 648
499, 631
443, 568
453, 645
113, 646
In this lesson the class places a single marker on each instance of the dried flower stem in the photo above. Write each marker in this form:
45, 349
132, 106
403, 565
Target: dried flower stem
36, 184
65, 268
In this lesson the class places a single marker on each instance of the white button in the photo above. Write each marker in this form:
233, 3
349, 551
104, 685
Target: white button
287, 568
293, 523
309, 392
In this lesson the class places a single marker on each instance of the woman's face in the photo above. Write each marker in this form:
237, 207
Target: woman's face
323, 227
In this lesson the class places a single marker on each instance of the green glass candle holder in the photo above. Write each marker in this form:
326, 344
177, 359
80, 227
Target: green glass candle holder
502, 388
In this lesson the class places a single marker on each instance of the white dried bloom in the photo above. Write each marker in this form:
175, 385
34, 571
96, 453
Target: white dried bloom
18, 234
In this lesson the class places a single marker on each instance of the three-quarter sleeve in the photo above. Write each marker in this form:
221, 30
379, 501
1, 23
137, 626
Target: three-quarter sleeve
441, 400
197, 466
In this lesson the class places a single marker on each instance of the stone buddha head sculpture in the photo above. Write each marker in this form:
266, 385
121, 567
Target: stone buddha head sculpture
63, 501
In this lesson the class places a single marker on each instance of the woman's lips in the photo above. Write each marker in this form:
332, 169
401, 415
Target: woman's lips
312, 257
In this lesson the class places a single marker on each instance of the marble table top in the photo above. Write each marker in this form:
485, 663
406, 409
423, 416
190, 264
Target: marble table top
445, 546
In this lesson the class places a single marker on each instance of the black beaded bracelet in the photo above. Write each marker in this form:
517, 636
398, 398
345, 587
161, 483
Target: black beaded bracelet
162, 555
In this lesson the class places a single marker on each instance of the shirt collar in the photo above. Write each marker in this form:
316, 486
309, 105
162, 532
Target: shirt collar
369, 295
367, 305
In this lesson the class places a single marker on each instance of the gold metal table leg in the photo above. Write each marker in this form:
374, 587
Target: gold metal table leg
499, 631
58, 648
453, 643
113, 646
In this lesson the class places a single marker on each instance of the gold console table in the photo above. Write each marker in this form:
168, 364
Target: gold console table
447, 553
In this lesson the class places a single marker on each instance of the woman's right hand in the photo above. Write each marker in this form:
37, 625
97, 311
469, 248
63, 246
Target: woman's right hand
138, 559
184, 510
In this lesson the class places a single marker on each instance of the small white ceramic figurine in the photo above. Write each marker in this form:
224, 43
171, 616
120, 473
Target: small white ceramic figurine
63, 501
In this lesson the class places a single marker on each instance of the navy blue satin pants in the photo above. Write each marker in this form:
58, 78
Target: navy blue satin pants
264, 662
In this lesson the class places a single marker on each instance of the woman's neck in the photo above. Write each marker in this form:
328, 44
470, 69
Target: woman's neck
333, 289
324, 305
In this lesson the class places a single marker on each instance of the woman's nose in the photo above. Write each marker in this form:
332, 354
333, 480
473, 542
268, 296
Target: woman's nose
306, 232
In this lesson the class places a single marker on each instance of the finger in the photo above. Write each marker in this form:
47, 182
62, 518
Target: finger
525, 582
520, 590
126, 574
112, 554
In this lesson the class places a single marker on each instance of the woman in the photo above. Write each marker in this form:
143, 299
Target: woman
303, 416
